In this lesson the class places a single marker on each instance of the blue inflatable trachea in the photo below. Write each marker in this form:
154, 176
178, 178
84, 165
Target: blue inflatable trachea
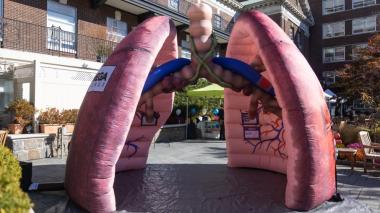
165, 69
246, 71
234, 65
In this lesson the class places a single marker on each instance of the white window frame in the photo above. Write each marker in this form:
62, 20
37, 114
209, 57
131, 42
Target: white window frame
329, 75
333, 25
62, 37
334, 7
365, 19
116, 33
362, 3
173, 4
333, 60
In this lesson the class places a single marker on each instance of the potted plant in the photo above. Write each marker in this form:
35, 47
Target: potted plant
102, 52
49, 120
69, 118
22, 113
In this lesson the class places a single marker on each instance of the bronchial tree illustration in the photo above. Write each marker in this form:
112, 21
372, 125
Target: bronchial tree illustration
270, 138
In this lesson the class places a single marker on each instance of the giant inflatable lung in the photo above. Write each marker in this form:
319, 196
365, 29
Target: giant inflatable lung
108, 113
308, 158
112, 133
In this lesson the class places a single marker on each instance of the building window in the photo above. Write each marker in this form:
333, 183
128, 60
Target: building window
217, 21
329, 77
332, 6
61, 25
331, 30
362, 3
291, 33
334, 54
299, 43
1, 8
173, 4
359, 104
185, 53
364, 25
116, 30
2, 21
356, 48
6, 93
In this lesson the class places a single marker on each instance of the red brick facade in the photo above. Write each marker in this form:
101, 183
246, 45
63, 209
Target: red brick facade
286, 25
26, 27
26, 11
27, 21
318, 43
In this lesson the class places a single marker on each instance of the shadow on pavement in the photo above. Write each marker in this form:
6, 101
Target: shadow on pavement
204, 188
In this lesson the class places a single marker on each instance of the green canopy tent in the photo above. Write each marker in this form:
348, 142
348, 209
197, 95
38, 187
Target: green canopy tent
210, 91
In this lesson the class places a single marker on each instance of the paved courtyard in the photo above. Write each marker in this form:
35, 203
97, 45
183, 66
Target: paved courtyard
356, 185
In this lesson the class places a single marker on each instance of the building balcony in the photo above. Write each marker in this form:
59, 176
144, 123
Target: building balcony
54, 41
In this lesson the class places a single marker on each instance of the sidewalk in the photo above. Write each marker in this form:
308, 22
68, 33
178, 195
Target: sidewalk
356, 185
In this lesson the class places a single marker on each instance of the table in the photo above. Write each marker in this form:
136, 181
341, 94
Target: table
351, 152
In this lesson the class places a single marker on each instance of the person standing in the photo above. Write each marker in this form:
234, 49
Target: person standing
221, 123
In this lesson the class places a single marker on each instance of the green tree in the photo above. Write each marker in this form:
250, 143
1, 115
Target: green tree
361, 78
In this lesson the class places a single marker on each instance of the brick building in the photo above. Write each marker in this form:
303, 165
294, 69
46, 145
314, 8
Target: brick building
328, 32
293, 16
51, 49
341, 28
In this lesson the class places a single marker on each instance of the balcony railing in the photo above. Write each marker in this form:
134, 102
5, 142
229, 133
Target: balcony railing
182, 6
29, 37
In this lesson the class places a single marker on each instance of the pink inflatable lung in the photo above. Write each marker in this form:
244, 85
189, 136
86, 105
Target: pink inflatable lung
136, 148
308, 159
108, 113
113, 134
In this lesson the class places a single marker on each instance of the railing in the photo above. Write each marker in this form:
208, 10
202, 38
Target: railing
30, 37
363, 3
182, 6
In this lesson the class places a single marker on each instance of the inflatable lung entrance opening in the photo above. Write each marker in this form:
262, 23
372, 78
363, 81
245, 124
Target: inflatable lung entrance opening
113, 133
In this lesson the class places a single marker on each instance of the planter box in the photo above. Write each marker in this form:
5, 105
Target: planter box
53, 128
49, 128
70, 128
15, 128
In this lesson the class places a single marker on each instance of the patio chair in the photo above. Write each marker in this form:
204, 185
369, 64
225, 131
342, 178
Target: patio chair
3, 137
369, 149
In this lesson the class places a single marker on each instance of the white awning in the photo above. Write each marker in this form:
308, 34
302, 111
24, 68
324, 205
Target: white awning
329, 94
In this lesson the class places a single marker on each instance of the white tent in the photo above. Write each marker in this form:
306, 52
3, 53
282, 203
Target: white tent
329, 94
